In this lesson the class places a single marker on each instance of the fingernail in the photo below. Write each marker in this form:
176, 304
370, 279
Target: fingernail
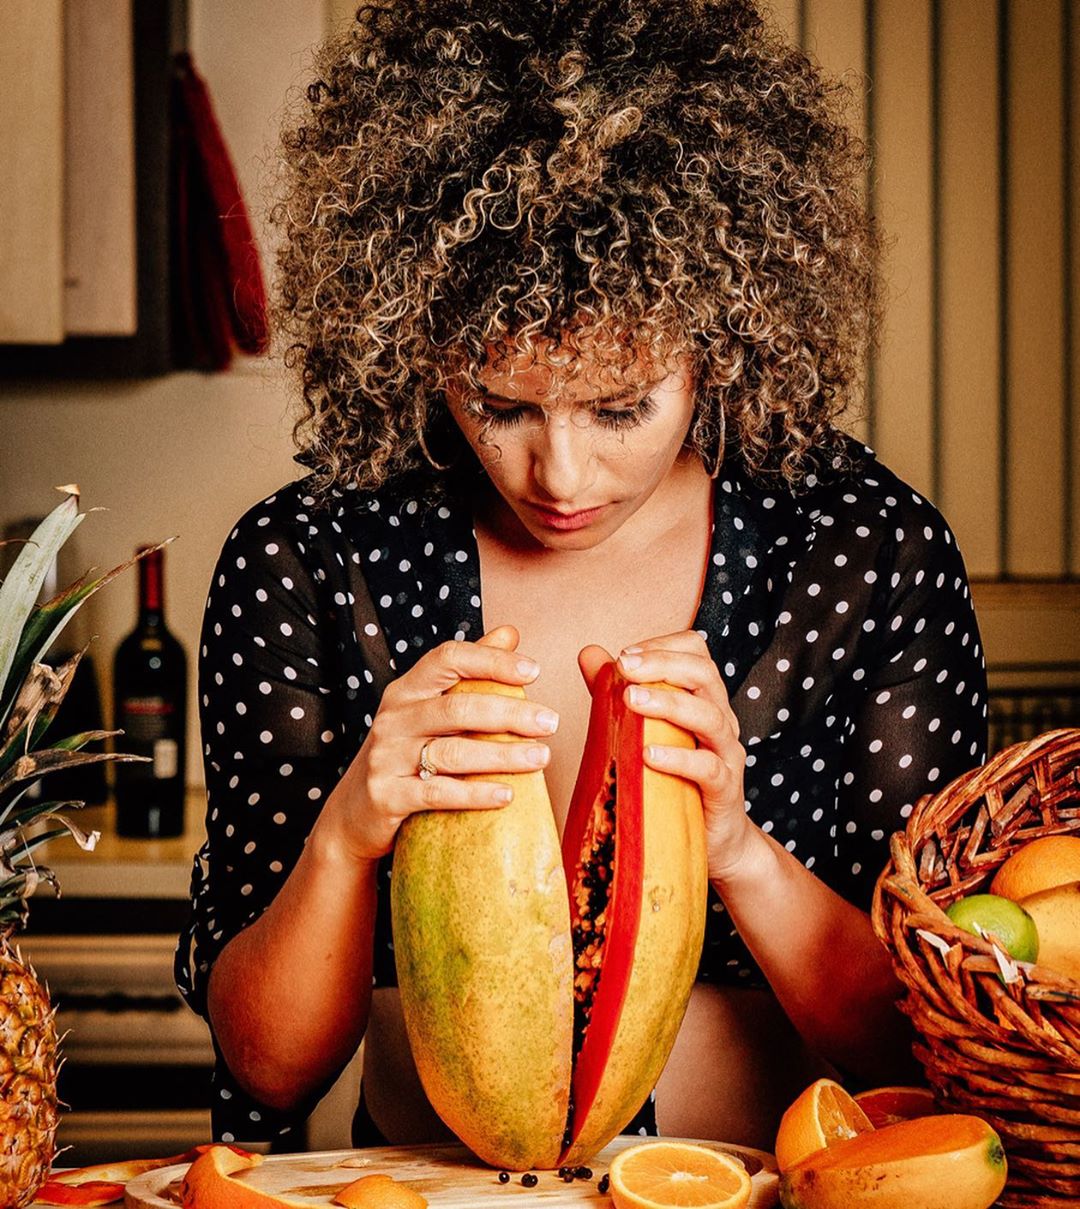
504, 794
537, 755
654, 753
632, 650
639, 695
630, 661
527, 668
547, 720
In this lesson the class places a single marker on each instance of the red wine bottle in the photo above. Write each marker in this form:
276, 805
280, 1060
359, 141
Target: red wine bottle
150, 693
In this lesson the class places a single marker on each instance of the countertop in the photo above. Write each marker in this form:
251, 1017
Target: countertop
126, 868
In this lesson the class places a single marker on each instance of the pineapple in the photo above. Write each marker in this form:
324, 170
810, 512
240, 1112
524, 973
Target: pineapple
30, 693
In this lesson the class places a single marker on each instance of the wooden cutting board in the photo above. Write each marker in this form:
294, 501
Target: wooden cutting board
446, 1175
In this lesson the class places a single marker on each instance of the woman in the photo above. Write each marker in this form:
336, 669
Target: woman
576, 292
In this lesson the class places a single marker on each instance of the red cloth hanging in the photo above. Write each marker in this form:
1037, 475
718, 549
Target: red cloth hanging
218, 295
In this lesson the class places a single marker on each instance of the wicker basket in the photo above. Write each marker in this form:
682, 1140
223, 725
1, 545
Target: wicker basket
1007, 1051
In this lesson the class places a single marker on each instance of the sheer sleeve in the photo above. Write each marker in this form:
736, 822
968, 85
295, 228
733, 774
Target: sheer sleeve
923, 717
273, 741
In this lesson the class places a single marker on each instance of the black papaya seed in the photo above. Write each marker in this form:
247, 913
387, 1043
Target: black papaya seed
504, 1177
529, 1180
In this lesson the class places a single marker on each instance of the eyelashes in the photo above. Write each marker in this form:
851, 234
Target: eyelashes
617, 419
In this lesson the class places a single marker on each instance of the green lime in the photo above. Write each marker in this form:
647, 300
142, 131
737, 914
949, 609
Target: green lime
1001, 918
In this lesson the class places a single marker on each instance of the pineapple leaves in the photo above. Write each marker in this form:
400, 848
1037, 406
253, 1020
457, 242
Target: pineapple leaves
20, 589
37, 763
44, 623
30, 694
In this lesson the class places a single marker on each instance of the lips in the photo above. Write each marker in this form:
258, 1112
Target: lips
567, 520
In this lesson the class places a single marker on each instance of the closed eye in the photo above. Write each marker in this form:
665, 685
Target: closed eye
609, 417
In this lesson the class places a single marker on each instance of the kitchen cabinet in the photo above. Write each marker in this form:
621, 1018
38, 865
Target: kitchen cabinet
84, 236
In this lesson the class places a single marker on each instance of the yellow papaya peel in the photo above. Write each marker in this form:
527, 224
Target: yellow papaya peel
543, 985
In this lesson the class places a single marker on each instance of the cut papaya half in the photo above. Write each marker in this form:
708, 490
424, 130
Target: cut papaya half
543, 983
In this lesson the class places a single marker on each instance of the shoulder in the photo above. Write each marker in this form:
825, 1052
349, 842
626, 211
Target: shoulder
869, 516
298, 519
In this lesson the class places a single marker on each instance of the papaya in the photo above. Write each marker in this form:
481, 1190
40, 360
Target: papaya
543, 983
952, 1161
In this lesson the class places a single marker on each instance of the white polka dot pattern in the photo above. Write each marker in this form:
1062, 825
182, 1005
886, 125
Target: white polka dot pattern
841, 621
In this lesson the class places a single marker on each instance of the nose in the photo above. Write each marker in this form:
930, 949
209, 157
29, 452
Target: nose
563, 460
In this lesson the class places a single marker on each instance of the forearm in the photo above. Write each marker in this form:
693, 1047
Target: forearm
289, 996
819, 953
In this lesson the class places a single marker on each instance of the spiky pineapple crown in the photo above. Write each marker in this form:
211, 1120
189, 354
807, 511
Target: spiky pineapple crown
30, 694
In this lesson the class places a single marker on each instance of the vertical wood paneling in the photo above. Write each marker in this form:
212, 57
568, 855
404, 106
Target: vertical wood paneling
1035, 290
904, 429
1072, 434
32, 172
835, 35
784, 14
99, 178
968, 279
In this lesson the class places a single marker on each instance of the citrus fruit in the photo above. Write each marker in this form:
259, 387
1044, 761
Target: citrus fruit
949, 1161
379, 1192
661, 1175
1001, 918
823, 1115
208, 1183
1038, 865
1056, 913
887, 1105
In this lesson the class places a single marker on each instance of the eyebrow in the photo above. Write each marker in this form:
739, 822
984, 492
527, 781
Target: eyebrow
599, 401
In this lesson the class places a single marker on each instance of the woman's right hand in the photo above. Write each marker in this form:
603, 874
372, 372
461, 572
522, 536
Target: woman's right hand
382, 787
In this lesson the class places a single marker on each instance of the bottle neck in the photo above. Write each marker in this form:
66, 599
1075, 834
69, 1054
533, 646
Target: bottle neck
152, 590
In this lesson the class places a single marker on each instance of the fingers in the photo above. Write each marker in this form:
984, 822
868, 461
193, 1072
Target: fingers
687, 669
505, 637
482, 713
712, 723
718, 774
492, 658
684, 640
459, 756
590, 660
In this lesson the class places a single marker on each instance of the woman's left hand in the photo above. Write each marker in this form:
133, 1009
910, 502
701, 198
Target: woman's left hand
698, 703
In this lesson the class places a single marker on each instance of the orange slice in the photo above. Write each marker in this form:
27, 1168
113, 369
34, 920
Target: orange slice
209, 1184
888, 1105
379, 1192
822, 1116
660, 1175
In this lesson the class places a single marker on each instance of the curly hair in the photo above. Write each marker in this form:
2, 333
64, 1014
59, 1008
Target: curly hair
470, 175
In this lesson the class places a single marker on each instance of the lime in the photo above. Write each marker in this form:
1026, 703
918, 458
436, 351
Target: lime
1000, 917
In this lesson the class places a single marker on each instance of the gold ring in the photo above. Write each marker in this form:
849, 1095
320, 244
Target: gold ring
425, 770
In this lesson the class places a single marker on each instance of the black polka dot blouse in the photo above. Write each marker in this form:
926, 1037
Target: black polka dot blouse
840, 619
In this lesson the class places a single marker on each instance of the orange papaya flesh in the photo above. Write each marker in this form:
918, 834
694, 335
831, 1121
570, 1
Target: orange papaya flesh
603, 856
599, 1030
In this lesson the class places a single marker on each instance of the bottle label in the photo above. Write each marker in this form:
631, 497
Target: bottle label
166, 758
145, 720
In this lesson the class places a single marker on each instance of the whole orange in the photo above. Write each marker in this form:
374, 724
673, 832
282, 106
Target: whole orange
1039, 865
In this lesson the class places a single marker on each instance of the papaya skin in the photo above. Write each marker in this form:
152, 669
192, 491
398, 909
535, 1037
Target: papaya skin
493, 962
486, 976
951, 1161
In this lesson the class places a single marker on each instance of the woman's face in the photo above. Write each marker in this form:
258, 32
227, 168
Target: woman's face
573, 456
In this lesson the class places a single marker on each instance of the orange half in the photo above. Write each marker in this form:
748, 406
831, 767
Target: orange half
822, 1116
666, 1175
889, 1105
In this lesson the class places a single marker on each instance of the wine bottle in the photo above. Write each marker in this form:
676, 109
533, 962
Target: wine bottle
150, 692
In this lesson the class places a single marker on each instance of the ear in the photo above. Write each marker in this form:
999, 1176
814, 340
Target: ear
505, 637
590, 660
